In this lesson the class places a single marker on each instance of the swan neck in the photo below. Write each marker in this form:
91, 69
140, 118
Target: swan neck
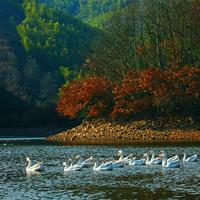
29, 163
121, 157
89, 159
147, 158
153, 155
164, 161
95, 166
184, 156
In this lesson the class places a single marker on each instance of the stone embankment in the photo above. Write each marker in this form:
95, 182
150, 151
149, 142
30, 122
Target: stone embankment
142, 131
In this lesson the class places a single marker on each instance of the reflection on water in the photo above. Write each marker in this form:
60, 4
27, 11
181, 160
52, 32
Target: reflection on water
142, 182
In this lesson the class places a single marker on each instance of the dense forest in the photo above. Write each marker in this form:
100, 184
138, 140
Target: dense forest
43, 45
147, 65
93, 12
113, 59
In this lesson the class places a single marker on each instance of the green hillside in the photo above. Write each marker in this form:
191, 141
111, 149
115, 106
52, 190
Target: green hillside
93, 12
40, 47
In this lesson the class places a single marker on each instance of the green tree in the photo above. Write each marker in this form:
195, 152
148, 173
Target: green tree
147, 34
53, 37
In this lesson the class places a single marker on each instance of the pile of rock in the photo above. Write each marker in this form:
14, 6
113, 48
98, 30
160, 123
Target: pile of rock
103, 132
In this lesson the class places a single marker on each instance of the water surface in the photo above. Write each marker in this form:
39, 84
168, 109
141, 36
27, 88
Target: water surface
146, 182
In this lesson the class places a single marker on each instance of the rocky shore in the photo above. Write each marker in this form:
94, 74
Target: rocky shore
102, 132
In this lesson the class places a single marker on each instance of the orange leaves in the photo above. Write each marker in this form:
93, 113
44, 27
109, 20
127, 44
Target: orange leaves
90, 96
129, 95
163, 90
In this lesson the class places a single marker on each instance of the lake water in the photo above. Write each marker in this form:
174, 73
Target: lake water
146, 182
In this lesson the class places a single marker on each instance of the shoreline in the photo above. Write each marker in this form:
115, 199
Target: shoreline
134, 143
148, 132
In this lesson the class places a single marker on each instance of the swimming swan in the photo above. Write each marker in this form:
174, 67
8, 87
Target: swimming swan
152, 161
71, 167
103, 167
189, 159
155, 160
36, 167
126, 159
169, 163
171, 159
134, 162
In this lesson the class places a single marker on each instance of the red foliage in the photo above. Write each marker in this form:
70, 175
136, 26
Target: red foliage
91, 95
164, 90
130, 95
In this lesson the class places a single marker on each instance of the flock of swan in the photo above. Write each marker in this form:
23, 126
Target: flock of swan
149, 158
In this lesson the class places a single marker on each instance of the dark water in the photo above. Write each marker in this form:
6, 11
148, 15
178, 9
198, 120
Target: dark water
146, 182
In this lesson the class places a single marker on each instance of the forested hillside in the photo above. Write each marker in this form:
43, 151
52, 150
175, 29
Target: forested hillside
116, 59
93, 12
11, 58
42, 45
53, 37
147, 66
40, 48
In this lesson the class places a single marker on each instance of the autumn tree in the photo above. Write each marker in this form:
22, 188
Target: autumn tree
90, 97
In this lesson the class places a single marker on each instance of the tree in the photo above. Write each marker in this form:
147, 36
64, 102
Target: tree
90, 97
53, 37
147, 34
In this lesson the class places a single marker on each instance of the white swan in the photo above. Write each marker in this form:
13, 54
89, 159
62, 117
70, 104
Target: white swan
189, 159
126, 159
114, 163
117, 163
71, 167
134, 162
84, 163
155, 160
171, 163
36, 167
171, 159
103, 167
147, 159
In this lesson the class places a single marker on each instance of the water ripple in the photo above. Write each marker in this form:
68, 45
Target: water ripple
146, 182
